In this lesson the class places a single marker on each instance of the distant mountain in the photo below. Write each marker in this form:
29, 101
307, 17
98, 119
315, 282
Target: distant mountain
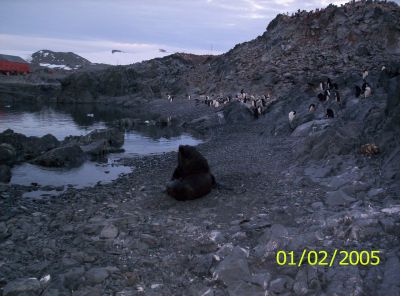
59, 60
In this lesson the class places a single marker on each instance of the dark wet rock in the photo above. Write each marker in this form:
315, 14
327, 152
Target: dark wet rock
237, 112
66, 156
96, 148
23, 287
5, 173
99, 141
114, 137
7, 154
28, 147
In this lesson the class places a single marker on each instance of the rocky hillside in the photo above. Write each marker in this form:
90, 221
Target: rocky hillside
66, 60
175, 74
293, 49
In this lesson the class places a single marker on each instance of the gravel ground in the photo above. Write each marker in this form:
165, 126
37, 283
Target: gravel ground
129, 238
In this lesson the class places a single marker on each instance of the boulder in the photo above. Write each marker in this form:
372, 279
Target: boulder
66, 156
23, 286
28, 147
96, 148
5, 173
310, 127
112, 136
237, 112
7, 154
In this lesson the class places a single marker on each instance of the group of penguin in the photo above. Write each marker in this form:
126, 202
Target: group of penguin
326, 91
256, 104
365, 89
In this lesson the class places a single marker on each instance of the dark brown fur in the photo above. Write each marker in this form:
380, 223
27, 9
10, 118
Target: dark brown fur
192, 178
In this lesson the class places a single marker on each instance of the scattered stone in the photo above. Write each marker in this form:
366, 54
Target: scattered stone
96, 275
23, 286
109, 232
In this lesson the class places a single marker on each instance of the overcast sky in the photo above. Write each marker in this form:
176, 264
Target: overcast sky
92, 28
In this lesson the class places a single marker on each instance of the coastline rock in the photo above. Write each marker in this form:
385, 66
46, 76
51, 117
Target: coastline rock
7, 154
28, 147
99, 141
237, 112
5, 173
66, 156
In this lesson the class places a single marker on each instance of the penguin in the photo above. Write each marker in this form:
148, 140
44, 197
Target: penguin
329, 113
383, 68
365, 74
263, 102
321, 86
337, 97
367, 91
327, 95
321, 97
255, 113
311, 108
292, 115
189, 97
364, 86
358, 91
329, 84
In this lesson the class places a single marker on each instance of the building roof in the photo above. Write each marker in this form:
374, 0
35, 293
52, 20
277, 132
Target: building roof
10, 58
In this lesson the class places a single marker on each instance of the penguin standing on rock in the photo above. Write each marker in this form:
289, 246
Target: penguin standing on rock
311, 108
365, 74
337, 97
367, 92
329, 84
292, 115
329, 113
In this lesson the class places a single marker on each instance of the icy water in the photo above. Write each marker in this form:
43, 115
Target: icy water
65, 120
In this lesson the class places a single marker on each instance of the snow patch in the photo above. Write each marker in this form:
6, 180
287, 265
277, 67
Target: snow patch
51, 66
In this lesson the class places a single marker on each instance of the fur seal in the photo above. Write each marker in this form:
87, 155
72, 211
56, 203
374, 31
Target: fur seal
192, 178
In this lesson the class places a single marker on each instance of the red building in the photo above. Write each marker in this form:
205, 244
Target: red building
13, 65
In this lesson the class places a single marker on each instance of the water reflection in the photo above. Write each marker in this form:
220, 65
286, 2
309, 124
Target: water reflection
65, 120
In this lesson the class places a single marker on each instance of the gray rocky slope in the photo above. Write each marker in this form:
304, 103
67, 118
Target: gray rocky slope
283, 187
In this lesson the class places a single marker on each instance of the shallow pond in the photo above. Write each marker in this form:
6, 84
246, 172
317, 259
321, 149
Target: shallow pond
65, 120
